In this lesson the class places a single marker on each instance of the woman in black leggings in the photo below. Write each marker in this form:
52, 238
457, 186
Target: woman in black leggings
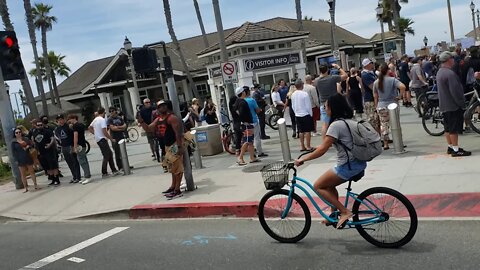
355, 93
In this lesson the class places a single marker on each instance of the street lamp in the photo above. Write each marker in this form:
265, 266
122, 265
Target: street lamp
472, 8
20, 92
331, 4
425, 41
379, 11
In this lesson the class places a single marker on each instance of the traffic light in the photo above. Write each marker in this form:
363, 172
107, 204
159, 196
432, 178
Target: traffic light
10, 60
145, 60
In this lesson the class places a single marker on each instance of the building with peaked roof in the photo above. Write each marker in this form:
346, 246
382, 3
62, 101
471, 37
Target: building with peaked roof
263, 52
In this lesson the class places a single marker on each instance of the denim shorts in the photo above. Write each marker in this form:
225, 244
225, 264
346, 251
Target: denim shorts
345, 173
323, 115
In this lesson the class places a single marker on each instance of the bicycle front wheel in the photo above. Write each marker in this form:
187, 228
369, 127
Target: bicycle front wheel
272, 121
133, 134
432, 121
398, 222
421, 104
87, 145
473, 116
291, 229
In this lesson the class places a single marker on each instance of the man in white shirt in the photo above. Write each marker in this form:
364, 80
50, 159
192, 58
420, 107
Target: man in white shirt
98, 127
302, 107
312, 93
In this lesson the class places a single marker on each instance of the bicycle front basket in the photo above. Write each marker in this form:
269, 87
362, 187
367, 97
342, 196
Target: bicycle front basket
275, 175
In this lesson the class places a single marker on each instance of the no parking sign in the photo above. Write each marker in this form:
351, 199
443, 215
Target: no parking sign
229, 72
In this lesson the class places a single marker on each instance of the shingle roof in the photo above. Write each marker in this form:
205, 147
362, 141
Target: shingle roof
249, 32
82, 77
319, 31
471, 34
388, 35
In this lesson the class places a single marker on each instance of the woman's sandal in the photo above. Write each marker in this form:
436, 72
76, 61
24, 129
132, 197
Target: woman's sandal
241, 163
343, 221
255, 160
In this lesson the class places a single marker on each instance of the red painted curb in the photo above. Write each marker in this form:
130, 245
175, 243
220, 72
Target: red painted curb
426, 205
192, 210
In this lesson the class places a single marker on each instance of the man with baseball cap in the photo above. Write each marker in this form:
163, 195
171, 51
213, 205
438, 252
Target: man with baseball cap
368, 78
452, 103
246, 120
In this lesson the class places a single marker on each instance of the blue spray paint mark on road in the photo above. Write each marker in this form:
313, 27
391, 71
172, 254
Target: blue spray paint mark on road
203, 239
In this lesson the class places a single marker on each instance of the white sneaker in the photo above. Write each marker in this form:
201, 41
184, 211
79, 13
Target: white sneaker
86, 181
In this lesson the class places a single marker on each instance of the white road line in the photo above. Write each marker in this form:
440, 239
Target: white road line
68, 251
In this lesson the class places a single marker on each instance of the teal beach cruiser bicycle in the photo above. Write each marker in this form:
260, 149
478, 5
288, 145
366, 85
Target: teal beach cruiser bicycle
383, 216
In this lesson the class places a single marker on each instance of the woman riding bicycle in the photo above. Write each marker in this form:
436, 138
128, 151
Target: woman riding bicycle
338, 134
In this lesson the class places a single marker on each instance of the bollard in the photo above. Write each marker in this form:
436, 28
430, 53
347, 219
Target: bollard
196, 154
282, 131
123, 150
394, 110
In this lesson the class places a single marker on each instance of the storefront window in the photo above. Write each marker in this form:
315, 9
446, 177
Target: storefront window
271, 47
143, 94
251, 49
202, 90
281, 45
267, 81
261, 48
117, 103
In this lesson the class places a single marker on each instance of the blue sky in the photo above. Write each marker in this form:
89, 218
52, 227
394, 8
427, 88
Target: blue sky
92, 29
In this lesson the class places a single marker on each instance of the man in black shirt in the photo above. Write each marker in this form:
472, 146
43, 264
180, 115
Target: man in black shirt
117, 128
246, 120
45, 144
259, 97
80, 146
145, 114
237, 128
404, 75
65, 135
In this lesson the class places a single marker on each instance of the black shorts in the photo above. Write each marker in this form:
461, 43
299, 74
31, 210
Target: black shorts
454, 121
49, 160
305, 124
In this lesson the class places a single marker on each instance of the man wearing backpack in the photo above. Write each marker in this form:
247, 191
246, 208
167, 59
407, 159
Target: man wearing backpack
351, 157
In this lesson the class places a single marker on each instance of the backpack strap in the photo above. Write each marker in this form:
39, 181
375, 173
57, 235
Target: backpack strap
345, 148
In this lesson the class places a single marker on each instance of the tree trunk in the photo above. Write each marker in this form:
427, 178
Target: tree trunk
396, 19
25, 82
298, 8
33, 40
200, 22
168, 17
55, 87
48, 69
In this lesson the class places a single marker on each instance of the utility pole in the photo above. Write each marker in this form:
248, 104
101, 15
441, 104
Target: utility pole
8, 125
172, 92
223, 49
452, 35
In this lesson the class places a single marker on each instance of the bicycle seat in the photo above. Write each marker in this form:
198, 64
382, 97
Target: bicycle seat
357, 177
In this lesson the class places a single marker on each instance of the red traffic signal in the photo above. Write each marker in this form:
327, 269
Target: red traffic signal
8, 41
10, 60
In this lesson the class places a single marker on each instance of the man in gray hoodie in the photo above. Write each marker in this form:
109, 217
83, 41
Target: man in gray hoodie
452, 103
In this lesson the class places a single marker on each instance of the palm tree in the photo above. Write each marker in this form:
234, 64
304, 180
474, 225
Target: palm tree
298, 8
44, 23
392, 14
25, 82
405, 26
200, 22
58, 68
306, 18
168, 18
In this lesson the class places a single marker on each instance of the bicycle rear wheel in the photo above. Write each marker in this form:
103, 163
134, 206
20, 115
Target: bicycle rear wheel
272, 121
133, 134
400, 218
422, 103
228, 142
432, 121
291, 229
473, 116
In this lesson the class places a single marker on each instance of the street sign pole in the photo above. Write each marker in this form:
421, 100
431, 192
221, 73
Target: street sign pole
8, 125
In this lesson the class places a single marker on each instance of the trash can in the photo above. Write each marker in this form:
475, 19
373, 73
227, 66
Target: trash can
209, 141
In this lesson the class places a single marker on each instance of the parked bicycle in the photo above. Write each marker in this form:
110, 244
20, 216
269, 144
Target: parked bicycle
432, 119
383, 216
228, 136
272, 115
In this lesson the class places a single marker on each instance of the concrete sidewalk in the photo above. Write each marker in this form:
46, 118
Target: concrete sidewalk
423, 174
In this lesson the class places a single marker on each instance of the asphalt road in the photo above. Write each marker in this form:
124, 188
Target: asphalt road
227, 244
